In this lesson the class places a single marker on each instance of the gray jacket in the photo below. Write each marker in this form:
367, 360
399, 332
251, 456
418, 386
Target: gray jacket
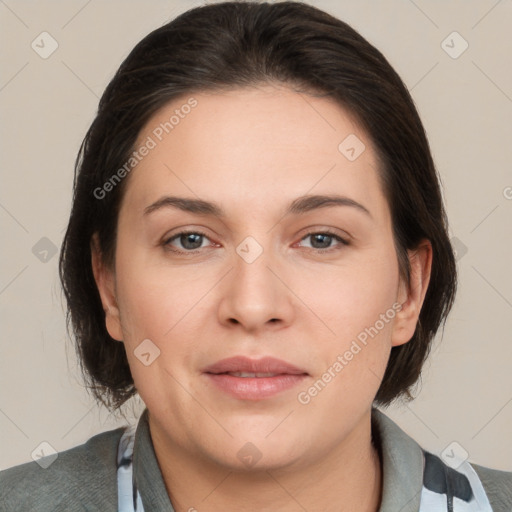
84, 478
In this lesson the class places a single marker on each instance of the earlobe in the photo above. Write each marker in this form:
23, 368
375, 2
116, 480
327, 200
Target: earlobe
105, 282
412, 296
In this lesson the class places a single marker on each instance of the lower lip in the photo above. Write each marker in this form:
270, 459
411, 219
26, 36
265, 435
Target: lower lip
254, 388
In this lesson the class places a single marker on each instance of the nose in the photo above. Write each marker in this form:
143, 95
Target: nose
255, 295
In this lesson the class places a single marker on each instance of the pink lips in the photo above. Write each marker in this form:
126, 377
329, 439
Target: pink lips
254, 379
245, 364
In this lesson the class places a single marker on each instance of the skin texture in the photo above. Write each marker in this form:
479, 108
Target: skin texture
253, 151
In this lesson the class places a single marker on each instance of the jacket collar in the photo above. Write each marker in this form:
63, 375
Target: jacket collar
402, 462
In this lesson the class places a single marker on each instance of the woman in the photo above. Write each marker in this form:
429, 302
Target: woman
257, 247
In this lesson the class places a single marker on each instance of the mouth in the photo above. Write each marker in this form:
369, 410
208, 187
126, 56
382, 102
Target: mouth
246, 366
254, 379
246, 375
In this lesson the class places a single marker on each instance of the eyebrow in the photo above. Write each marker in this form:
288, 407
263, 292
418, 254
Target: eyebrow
298, 206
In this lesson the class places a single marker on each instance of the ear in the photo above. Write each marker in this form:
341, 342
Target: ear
411, 297
105, 281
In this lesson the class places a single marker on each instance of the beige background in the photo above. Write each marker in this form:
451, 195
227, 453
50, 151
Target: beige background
466, 105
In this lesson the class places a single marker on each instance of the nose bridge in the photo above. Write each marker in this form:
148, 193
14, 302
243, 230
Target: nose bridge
253, 295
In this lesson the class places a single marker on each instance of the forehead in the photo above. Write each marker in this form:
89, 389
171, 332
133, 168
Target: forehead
255, 144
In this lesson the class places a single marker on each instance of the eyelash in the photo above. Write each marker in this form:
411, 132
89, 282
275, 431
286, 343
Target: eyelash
167, 243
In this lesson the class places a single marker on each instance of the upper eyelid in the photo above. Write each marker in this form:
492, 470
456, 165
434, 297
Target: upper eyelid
174, 236
312, 231
343, 240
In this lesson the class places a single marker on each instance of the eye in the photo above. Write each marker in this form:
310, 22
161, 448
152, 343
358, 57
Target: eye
322, 241
190, 241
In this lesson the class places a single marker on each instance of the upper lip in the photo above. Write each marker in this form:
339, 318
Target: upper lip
246, 364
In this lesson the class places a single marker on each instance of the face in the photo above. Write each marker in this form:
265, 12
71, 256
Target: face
286, 264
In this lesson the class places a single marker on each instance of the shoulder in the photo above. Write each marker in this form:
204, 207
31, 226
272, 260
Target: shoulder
497, 485
79, 479
407, 466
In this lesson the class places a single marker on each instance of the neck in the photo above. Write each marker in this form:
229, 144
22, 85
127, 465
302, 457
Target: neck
348, 478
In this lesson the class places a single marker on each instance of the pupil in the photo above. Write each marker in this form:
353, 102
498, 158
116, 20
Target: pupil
190, 237
325, 238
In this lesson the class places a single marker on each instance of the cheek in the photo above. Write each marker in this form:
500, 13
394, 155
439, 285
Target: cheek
158, 301
351, 297
356, 303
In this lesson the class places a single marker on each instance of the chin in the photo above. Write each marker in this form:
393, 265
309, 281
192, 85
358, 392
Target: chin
261, 451
250, 458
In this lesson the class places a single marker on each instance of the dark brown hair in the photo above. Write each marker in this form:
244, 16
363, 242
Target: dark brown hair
236, 44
